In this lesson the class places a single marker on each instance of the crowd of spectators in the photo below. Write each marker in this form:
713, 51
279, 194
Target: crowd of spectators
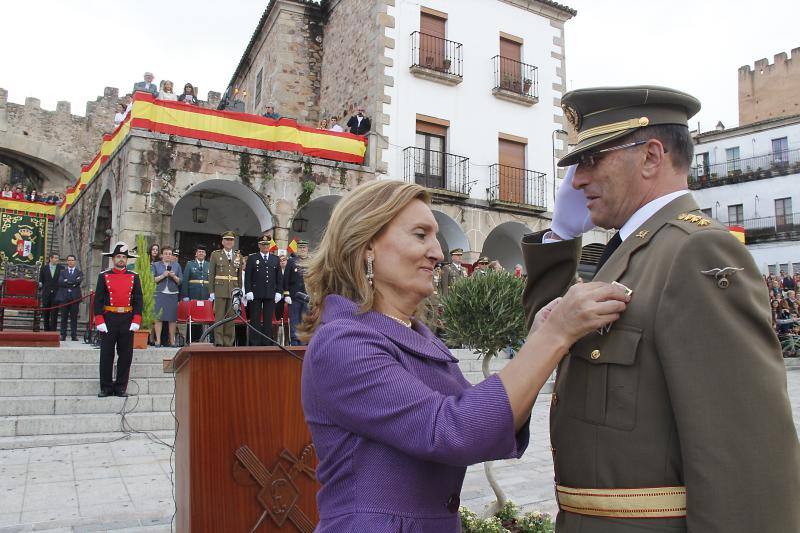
24, 194
784, 304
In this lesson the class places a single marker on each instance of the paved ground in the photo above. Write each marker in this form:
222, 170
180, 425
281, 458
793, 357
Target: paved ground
124, 486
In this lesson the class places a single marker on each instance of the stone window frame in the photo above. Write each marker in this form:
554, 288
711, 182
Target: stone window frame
258, 87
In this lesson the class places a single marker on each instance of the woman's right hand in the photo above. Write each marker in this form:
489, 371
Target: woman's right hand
585, 308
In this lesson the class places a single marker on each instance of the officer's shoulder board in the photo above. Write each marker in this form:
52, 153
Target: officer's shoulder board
692, 223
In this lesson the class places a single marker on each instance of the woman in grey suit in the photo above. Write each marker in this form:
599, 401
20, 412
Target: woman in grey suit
168, 275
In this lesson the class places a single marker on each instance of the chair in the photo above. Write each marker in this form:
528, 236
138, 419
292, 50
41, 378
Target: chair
200, 312
19, 293
183, 318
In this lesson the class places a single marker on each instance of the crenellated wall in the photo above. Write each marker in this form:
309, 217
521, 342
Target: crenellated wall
770, 90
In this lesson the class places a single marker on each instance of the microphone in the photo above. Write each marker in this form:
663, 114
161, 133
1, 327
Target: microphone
236, 296
302, 297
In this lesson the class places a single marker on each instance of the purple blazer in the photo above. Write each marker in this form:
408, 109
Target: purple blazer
395, 424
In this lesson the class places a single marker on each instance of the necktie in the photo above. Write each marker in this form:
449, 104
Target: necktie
612, 245
70, 271
264, 256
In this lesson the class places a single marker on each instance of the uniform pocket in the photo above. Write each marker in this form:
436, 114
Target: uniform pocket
603, 377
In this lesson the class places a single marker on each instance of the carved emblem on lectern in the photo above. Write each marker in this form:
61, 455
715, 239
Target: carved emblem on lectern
279, 493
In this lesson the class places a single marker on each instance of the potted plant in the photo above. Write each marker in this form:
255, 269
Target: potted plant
527, 83
446, 65
485, 314
505, 82
790, 345
142, 267
509, 519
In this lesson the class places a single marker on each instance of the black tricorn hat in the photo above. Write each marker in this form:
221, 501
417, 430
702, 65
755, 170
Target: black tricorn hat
120, 248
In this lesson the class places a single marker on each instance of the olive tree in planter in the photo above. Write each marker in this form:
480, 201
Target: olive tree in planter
485, 315
142, 267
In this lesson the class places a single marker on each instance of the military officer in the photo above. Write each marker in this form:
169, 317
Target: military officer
297, 284
676, 417
196, 285
451, 272
223, 271
482, 267
117, 314
263, 284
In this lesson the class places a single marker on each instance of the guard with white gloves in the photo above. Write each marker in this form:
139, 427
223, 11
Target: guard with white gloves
224, 274
570, 216
263, 282
117, 314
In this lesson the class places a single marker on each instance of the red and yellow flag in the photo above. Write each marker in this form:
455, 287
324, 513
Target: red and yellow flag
292, 248
738, 232
273, 246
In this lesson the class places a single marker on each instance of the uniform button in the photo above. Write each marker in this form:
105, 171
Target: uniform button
595, 354
453, 503
554, 400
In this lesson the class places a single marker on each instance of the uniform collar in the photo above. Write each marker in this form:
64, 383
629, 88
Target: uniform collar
115, 270
418, 340
646, 211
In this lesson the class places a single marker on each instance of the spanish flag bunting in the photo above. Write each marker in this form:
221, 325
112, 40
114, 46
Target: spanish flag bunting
273, 246
738, 232
292, 248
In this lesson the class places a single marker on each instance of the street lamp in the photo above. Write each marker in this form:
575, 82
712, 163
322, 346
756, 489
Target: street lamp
553, 143
200, 213
756, 213
716, 210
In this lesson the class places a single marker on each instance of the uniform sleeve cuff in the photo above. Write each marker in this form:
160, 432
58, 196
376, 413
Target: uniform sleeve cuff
98, 319
137, 319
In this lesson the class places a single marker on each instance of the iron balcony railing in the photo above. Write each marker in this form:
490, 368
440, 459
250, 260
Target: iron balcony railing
774, 228
436, 53
516, 186
516, 77
437, 170
747, 169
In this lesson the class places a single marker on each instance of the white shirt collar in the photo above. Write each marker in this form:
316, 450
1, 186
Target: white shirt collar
646, 211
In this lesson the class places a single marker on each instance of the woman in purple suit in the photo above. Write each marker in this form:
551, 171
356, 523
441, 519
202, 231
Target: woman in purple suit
394, 422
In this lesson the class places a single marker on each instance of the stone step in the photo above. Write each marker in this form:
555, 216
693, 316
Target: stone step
76, 355
46, 441
80, 386
69, 405
27, 425
72, 370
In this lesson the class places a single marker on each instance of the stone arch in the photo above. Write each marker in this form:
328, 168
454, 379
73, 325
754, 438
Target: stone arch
231, 205
450, 235
103, 231
503, 244
56, 169
313, 218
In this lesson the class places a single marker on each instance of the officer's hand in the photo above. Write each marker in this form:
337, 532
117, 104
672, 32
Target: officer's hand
288, 300
102, 328
585, 307
543, 314
249, 296
278, 297
211, 297
570, 215
134, 326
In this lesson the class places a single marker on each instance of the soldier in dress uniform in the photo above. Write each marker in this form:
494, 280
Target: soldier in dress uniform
451, 272
297, 284
482, 267
117, 314
263, 283
223, 271
195, 284
675, 417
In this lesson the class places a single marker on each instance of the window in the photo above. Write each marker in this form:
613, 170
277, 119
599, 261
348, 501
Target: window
511, 170
773, 269
795, 268
429, 158
783, 212
510, 65
732, 157
701, 161
735, 215
707, 212
258, 86
432, 46
780, 151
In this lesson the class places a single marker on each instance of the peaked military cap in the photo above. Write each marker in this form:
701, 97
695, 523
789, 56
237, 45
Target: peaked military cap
120, 248
265, 239
602, 114
302, 242
483, 260
229, 235
457, 251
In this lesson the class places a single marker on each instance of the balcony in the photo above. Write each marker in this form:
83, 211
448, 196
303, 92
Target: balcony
445, 174
769, 229
515, 81
436, 59
511, 186
748, 169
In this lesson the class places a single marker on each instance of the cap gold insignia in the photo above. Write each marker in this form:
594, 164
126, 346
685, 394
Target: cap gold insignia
644, 121
722, 274
642, 234
572, 116
694, 219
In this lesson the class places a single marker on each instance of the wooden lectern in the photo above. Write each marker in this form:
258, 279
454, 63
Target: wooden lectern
244, 460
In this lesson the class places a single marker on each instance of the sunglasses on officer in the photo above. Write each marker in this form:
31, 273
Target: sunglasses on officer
590, 159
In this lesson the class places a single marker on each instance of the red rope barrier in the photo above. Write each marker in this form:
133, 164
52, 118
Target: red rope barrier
91, 293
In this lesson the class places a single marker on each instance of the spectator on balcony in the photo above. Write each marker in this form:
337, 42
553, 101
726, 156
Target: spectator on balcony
323, 124
18, 192
334, 125
147, 85
269, 112
166, 91
7, 192
34, 196
120, 114
188, 96
359, 124
61, 198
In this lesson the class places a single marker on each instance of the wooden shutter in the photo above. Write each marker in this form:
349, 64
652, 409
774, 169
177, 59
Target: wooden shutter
511, 171
431, 41
510, 68
431, 129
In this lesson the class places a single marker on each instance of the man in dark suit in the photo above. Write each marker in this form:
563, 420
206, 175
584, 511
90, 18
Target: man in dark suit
147, 85
69, 290
48, 282
263, 285
358, 123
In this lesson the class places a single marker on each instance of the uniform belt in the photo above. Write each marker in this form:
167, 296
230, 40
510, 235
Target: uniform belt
112, 309
226, 278
199, 280
647, 502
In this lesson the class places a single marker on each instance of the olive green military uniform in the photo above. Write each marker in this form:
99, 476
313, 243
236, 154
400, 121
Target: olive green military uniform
451, 273
684, 396
225, 276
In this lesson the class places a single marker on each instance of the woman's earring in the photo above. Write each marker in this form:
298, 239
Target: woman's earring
369, 270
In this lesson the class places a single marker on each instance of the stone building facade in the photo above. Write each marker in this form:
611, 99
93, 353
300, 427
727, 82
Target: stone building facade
770, 91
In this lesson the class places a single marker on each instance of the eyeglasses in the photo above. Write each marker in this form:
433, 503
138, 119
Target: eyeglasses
590, 159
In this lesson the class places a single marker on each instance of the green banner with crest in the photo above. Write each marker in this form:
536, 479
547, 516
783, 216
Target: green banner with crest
22, 238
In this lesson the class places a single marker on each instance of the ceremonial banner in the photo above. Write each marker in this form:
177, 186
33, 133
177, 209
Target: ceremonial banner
738, 232
22, 238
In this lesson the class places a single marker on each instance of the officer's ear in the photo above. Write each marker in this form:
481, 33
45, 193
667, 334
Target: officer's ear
655, 158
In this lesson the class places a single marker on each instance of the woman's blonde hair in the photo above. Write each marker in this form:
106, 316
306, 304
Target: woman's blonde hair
338, 266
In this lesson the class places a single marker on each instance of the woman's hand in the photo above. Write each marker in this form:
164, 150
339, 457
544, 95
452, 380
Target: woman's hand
584, 308
543, 313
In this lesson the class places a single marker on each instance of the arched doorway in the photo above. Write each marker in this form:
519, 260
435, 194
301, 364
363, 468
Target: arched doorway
450, 234
503, 244
310, 221
214, 206
101, 242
